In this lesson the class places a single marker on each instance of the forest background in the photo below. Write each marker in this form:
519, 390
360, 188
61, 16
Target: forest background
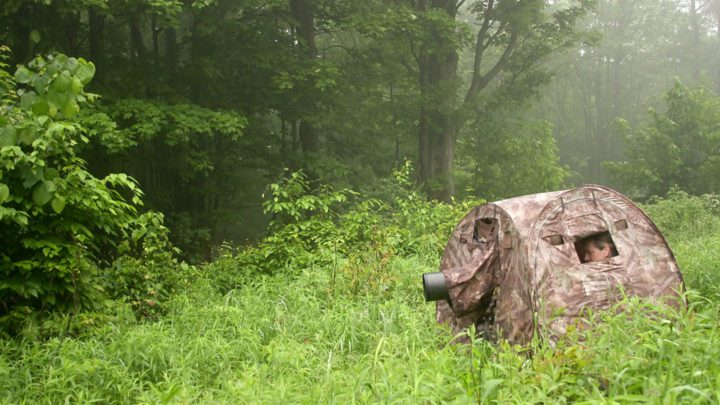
161, 154
205, 103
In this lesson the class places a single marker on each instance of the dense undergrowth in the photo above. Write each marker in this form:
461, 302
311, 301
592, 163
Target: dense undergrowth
328, 309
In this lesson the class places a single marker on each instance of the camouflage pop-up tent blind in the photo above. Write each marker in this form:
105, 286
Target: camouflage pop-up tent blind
516, 266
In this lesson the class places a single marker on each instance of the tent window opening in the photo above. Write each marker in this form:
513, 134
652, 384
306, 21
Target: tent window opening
485, 229
596, 247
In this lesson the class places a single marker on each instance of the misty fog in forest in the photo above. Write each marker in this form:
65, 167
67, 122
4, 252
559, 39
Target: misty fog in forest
300, 201
205, 103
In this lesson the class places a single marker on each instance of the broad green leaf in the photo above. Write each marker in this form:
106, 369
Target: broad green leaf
72, 65
62, 82
75, 86
50, 186
40, 84
21, 219
58, 204
23, 74
30, 176
27, 100
51, 173
41, 106
4, 192
70, 108
35, 36
42, 194
58, 99
8, 136
85, 72
26, 136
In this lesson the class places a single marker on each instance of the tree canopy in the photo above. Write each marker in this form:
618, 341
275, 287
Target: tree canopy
206, 102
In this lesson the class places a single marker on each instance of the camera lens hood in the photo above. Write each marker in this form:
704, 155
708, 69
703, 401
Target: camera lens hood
434, 287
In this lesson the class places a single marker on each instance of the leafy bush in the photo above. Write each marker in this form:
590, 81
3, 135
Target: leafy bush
61, 225
148, 273
59, 221
679, 147
325, 228
682, 215
691, 225
189, 160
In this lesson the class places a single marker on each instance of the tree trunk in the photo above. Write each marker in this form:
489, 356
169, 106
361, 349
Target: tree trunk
136, 39
696, 41
72, 29
302, 12
155, 38
437, 131
95, 26
171, 50
22, 47
717, 45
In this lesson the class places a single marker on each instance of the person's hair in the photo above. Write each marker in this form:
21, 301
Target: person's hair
601, 240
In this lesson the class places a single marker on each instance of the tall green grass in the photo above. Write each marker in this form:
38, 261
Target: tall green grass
356, 330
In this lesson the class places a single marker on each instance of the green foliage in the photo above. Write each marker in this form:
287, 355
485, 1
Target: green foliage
685, 216
148, 273
505, 157
60, 223
187, 158
7, 87
691, 225
336, 333
58, 220
290, 200
679, 147
320, 228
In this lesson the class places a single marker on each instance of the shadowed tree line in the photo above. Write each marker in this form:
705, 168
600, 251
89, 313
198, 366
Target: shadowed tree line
204, 102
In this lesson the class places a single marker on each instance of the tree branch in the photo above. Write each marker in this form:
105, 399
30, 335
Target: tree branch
480, 50
495, 36
502, 62
483, 80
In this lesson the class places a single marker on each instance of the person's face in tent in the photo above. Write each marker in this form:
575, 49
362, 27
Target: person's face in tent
593, 253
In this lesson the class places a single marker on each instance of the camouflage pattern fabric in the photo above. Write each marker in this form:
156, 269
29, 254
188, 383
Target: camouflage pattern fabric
513, 268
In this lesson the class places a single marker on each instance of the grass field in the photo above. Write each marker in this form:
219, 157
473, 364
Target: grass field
336, 334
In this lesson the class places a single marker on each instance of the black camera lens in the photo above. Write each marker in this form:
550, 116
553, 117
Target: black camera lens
434, 287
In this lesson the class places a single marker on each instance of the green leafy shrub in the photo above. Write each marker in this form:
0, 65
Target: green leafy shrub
679, 147
188, 159
504, 155
148, 274
340, 230
682, 215
60, 224
691, 225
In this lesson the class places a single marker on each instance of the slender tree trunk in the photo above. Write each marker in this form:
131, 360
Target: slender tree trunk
295, 134
155, 38
72, 29
136, 38
696, 45
95, 40
302, 12
717, 45
23, 47
171, 50
394, 125
437, 131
